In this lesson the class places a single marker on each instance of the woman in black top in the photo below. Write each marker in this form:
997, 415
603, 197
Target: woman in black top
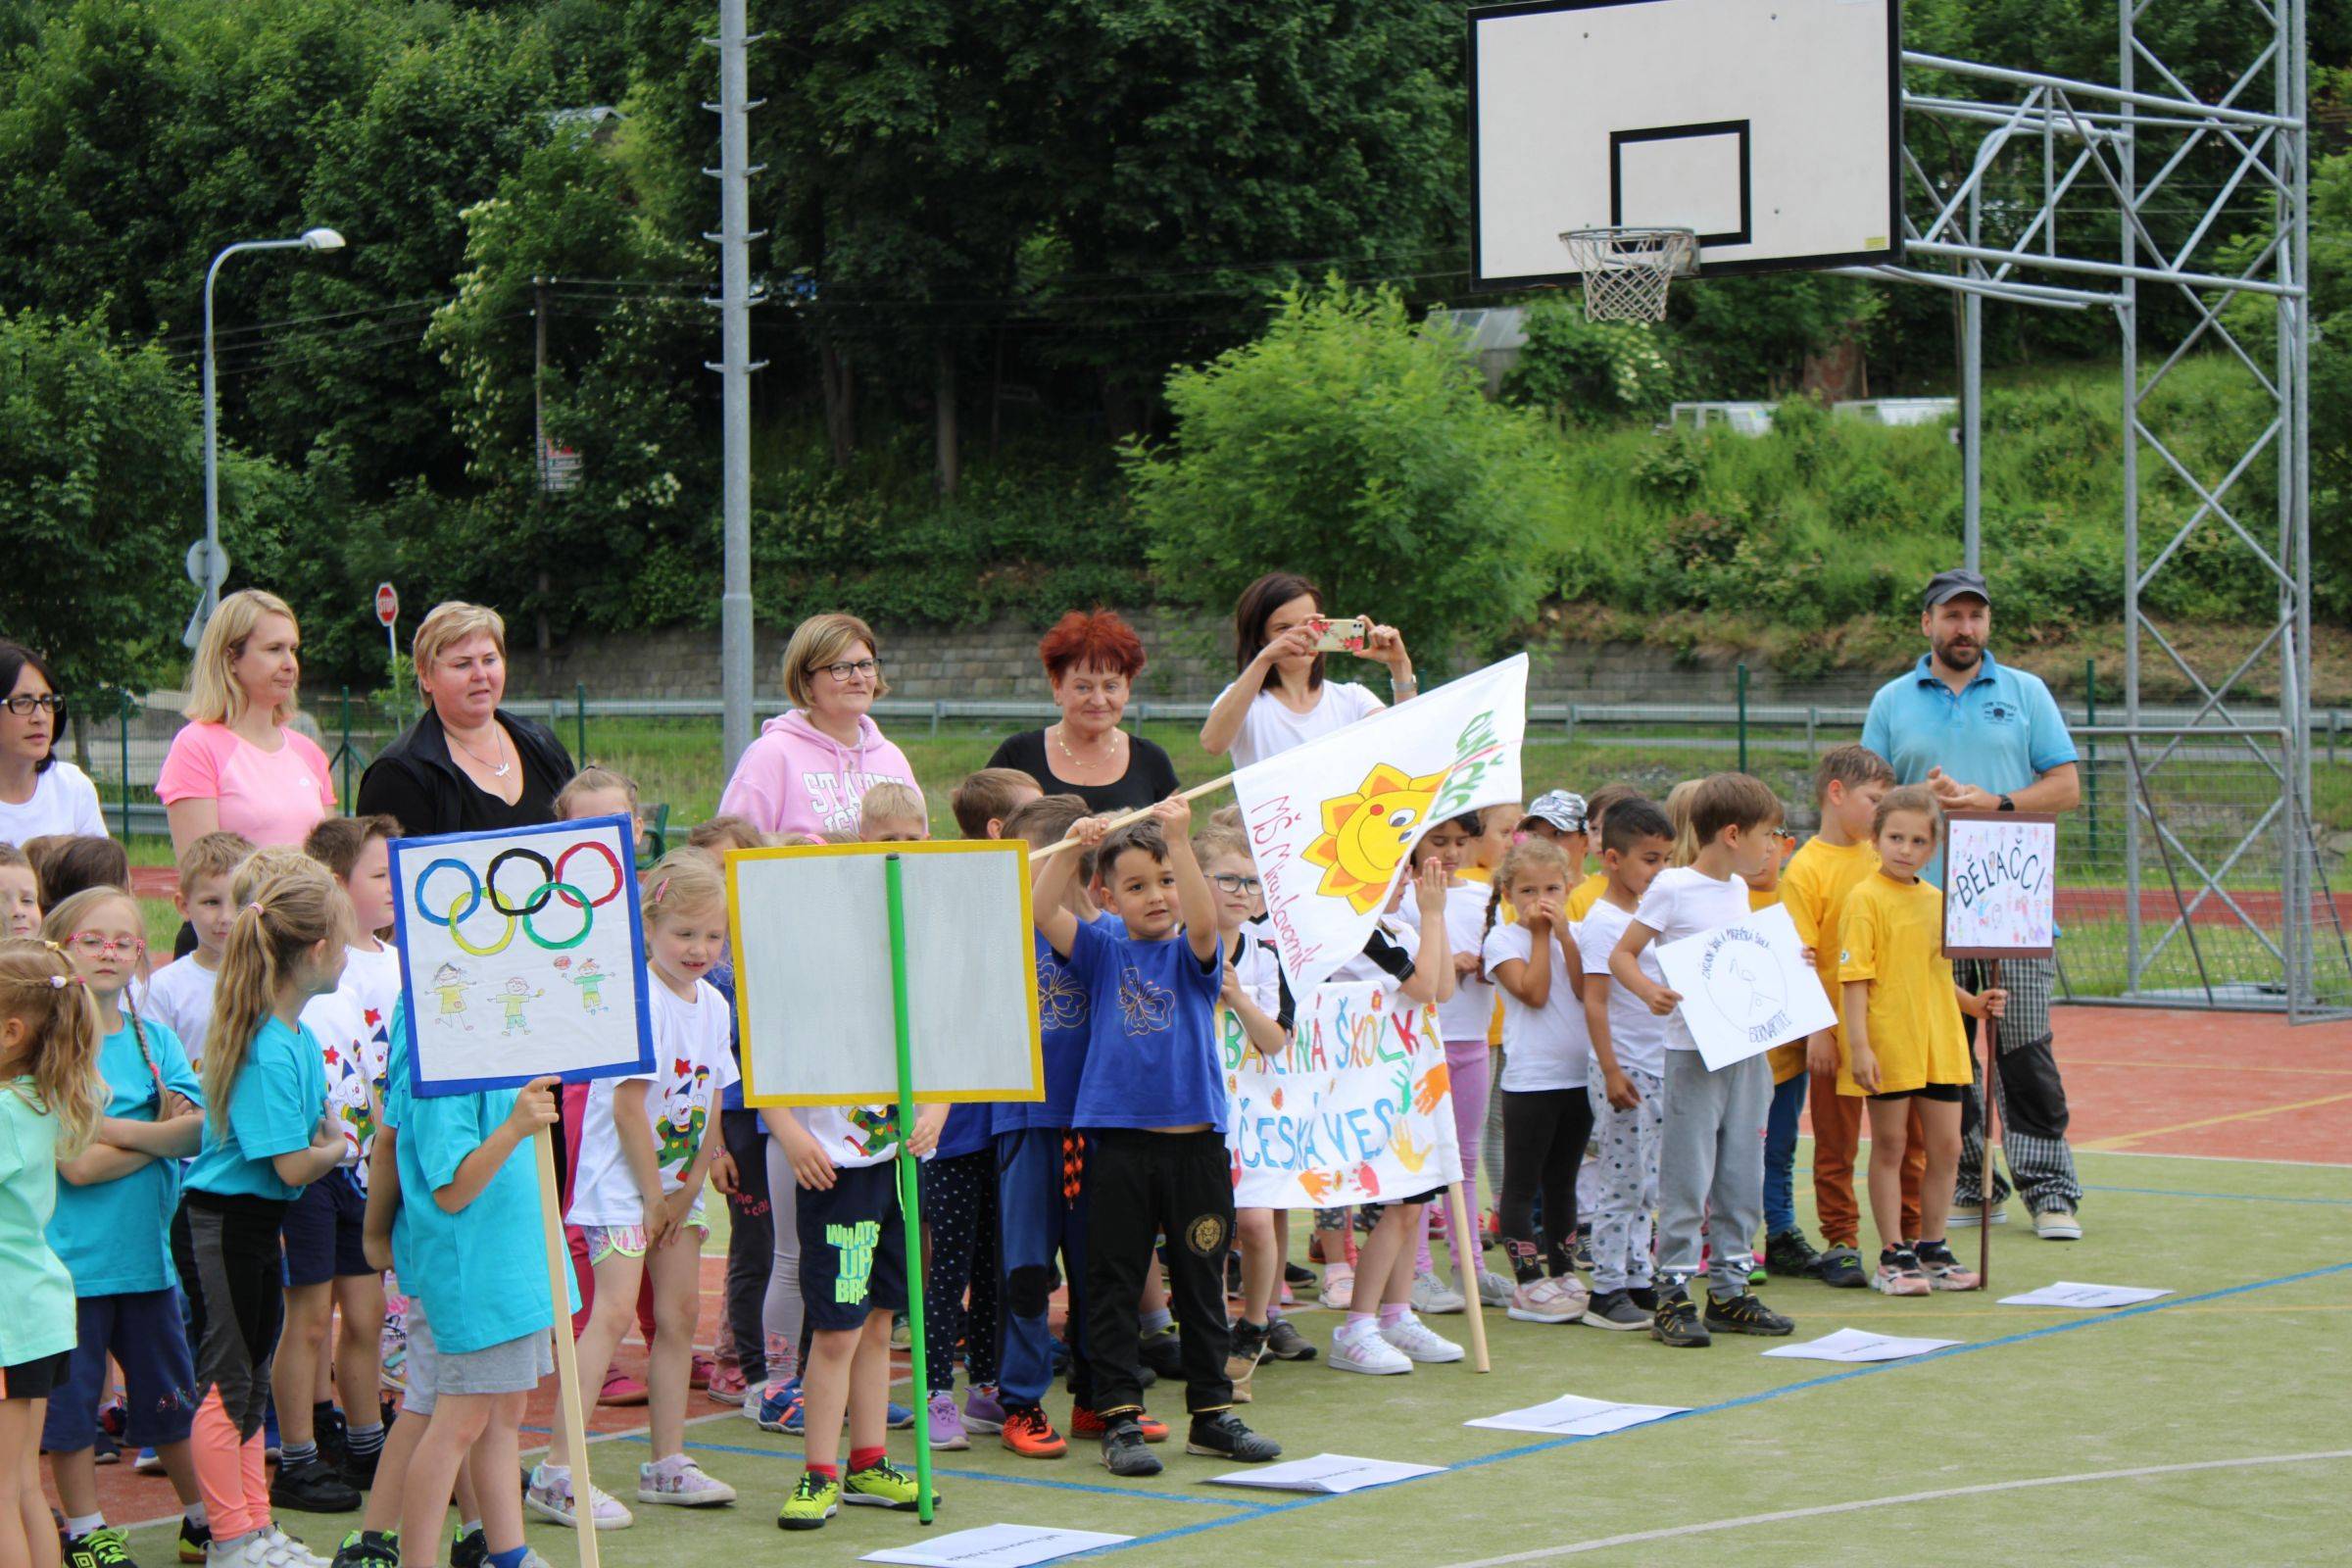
1092, 660
466, 766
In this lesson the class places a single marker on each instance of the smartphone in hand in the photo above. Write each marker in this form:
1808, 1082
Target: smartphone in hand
1343, 635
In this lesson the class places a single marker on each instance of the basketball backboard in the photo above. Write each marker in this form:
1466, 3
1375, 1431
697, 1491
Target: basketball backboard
1771, 128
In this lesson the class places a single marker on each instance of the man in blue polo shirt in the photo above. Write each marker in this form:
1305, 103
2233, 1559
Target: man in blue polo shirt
1989, 737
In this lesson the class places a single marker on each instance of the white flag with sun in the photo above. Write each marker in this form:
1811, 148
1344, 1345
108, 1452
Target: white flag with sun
1333, 823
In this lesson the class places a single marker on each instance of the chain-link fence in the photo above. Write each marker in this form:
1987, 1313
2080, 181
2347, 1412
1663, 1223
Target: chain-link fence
2186, 879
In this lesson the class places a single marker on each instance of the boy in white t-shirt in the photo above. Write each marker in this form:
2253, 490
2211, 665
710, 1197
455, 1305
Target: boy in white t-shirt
1711, 1146
1628, 1087
181, 995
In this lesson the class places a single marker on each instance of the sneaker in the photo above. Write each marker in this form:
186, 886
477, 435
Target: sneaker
313, 1486
1745, 1314
901, 1333
1789, 1255
244, 1552
1433, 1295
2057, 1225
468, 1548
1084, 1423
1494, 1287
700, 1371
983, 1411
1233, 1276
1248, 1347
883, 1485
360, 1468
104, 1449
1162, 1352
284, 1552
1676, 1323
1968, 1213
1580, 1254
1365, 1350
1842, 1266
1124, 1453
1339, 1285
1547, 1300
947, 1423
1757, 1273
1030, 1435
813, 1502
1298, 1277
620, 1389
679, 1482
1222, 1436
369, 1548
779, 1407
195, 1540
550, 1498
100, 1549
1284, 1341
728, 1386
1943, 1270
148, 1463
1899, 1274
1645, 1297
1614, 1309
271, 1449
901, 1417
1419, 1341
394, 1378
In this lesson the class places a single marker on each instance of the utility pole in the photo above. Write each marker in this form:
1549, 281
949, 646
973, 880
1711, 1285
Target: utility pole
735, 366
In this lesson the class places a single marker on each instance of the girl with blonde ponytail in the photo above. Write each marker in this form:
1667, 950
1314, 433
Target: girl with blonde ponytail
48, 1106
265, 1137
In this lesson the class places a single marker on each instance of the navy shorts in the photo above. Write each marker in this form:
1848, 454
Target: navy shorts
143, 1331
323, 1231
853, 1248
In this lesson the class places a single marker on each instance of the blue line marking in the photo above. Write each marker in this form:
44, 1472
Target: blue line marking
2237, 1197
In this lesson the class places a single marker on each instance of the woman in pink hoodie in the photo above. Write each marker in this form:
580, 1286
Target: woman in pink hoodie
809, 768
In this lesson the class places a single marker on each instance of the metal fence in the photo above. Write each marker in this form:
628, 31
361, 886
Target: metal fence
2184, 880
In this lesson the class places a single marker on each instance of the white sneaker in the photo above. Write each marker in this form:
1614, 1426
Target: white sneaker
1415, 1339
246, 1552
680, 1482
284, 1552
2058, 1225
1971, 1214
1433, 1295
1365, 1350
1494, 1289
1549, 1300
550, 1498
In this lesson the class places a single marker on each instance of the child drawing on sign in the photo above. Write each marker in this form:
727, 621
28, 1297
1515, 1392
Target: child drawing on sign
449, 988
591, 981
513, 995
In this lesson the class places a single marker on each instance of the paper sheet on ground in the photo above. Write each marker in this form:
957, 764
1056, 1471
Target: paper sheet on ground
1327, 1473
998, 1547
1745, 987
1853, 1345
2070, 1292
1570, 1416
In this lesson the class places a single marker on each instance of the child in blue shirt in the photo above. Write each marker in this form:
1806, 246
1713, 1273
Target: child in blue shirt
113, 1233
267, 1136
1151, 1105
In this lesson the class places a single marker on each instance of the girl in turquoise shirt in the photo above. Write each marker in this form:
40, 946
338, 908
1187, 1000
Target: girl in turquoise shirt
48, 1106
267, 1136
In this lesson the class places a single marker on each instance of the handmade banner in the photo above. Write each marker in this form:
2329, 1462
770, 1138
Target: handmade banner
1357, 1107
521, 955
1332, 822
2000, 884
1745, 987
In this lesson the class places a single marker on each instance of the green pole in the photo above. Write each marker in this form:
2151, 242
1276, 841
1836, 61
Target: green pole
2091, 784
1743, 715
909, 1189
123, 714
579, 696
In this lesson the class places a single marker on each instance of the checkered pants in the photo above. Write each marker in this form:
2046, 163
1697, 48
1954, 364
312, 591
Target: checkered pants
2029, 1095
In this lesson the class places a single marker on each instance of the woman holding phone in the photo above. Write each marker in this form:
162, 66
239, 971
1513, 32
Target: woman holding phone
1280, 698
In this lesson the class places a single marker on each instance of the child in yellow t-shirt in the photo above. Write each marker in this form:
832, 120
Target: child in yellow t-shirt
1786, 1250
1848, 786
1904, 1040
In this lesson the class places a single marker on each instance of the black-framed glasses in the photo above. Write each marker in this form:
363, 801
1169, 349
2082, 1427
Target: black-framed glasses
842, 671
1232, 882
23, 705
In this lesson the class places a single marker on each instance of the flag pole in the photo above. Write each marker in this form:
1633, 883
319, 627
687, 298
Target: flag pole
909, 1190
1993, 1073
1465, 1244
570, 1418
1125, 817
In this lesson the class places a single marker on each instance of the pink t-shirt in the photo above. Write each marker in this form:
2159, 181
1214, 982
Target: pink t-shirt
273, 798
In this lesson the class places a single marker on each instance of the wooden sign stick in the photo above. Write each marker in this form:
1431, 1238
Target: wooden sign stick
1993, 1077
1465, 1242
1125, 817
569, 1419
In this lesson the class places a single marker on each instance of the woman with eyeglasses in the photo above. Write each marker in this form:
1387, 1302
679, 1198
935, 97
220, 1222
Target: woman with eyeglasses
40, 792
1091, 660
238, 766
810, 767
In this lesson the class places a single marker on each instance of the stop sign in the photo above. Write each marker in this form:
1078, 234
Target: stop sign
387, 603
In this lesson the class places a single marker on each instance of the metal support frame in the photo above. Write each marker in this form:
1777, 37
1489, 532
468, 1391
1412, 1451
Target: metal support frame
2113, 189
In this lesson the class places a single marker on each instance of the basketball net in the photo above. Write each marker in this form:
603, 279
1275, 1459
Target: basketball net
1628, 271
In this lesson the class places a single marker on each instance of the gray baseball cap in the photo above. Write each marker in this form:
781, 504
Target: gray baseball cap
1562, 808
1953, 585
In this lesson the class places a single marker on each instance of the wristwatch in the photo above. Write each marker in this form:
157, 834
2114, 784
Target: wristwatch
2006, 804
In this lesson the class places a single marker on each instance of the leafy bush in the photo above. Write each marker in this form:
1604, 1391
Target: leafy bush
1590, 373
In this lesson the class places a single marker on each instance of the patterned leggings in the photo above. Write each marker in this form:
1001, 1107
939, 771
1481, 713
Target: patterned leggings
959, 1209
1628, 1182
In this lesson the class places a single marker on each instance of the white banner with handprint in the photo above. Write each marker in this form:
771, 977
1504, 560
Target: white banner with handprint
1332, 822
1357, 1109
1746, 986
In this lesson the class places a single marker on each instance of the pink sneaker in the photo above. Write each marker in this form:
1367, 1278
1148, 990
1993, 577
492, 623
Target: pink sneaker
1338, 1286
728, 1386
620, 1389
1549, 1300
1945, 1272
704, 1369
1899, 1274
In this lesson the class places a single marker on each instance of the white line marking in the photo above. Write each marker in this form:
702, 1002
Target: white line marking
1748, 1521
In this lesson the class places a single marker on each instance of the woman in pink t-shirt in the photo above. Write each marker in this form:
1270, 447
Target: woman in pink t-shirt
237, 766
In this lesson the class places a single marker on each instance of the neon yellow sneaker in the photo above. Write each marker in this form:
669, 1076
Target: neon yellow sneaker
882, 1485
813, 1502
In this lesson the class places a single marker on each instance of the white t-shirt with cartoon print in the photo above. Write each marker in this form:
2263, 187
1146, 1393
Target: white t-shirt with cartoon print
353, 1024
691, 1067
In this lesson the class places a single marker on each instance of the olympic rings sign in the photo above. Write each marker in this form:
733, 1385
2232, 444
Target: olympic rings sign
552, 887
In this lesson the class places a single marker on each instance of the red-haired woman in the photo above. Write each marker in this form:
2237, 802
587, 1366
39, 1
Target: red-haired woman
1092, 658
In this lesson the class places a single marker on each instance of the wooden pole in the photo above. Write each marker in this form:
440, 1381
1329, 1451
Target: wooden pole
1465, 1244
569, 1418
1992, 1076
1125, 817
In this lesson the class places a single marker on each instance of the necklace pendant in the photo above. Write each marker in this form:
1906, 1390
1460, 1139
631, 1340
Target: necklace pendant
502, 769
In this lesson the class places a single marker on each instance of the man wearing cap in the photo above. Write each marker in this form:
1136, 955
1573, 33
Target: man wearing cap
1987, 737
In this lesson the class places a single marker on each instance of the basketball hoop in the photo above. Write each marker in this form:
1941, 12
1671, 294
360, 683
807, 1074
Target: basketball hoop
1627, 270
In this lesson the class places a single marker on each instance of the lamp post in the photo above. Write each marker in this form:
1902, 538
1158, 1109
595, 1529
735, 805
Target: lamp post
312, 239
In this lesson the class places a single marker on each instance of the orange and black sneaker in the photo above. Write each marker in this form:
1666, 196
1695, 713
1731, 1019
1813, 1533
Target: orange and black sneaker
1085, 1423
1030, 1435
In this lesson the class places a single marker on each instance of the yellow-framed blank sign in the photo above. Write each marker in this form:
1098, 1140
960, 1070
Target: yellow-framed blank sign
809, 927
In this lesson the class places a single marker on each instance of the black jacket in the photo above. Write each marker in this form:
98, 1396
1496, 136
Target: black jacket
416, 781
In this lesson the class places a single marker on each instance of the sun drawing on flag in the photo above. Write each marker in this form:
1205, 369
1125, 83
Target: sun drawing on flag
1365, 832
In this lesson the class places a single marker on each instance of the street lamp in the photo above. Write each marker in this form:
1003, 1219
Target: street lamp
311, 239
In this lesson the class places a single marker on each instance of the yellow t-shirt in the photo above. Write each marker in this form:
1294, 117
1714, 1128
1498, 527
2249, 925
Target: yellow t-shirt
1587, 894
1814, 888
1893, 938
1789, 1059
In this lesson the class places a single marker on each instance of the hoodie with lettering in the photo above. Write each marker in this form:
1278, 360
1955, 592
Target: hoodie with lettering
794, 779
